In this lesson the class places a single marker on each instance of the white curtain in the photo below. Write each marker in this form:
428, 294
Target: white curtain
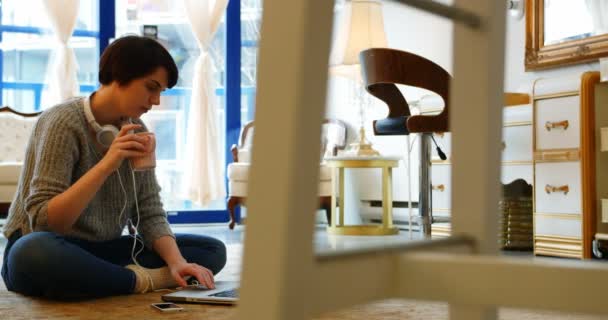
61, 77
204, 174
598, 9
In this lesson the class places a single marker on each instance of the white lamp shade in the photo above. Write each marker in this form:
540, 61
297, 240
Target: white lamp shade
359, 26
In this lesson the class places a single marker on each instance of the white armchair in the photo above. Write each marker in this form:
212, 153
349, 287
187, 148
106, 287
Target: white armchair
15, 128
333, 138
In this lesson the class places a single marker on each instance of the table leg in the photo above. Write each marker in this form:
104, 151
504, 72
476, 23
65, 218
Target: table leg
387, 197
341, 186
332, 210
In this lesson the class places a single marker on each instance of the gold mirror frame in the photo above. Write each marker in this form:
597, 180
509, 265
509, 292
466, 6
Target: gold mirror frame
538, 56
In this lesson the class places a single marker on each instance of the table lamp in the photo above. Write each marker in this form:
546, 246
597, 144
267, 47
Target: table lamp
359, 26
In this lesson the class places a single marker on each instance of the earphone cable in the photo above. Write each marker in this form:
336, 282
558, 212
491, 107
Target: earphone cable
136, 225
124, 192
135, 238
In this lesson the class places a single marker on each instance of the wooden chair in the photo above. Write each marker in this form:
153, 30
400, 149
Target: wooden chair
383, 68
15, 128
333, 139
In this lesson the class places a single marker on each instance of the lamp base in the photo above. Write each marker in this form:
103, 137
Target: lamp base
362, 148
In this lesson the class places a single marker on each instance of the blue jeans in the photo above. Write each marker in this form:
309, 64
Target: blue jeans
45, 264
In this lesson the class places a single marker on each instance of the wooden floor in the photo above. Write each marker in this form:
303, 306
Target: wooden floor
14, 306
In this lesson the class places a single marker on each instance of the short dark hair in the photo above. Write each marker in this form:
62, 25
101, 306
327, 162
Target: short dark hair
132, 57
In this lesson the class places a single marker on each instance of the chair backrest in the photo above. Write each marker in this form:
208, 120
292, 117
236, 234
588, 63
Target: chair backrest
333, 138
383, 68
15, 129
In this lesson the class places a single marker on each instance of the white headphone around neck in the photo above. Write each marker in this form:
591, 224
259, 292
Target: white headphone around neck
105, 134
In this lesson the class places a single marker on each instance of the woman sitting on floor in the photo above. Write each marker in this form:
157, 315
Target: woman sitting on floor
77, 193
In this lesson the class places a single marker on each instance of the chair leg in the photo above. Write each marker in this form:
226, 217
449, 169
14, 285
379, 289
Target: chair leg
424, 199
325, 204
232, 203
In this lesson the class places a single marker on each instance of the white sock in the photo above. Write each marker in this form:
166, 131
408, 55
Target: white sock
147, 280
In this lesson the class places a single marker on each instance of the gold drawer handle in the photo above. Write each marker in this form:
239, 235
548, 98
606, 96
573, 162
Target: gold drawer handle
503, 145
552, 125
549, 188
440, 187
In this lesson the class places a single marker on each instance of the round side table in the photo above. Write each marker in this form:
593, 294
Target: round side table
338, 164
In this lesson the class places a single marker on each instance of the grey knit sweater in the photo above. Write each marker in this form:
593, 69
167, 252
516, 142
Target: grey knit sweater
61, 150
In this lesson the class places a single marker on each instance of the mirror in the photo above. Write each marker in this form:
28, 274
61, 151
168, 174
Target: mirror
563, 32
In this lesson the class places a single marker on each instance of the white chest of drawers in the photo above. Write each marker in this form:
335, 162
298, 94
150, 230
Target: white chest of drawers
564, 170
549, 143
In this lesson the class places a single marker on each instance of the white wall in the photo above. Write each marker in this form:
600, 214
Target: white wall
419, 32
431, 37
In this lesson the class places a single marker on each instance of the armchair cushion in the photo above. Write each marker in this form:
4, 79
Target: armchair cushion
238, 171
9, 172
9, 179
7, 192
14, 134
15, 129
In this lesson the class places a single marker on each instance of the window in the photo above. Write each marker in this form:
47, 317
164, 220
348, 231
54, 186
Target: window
169, 119
26, 45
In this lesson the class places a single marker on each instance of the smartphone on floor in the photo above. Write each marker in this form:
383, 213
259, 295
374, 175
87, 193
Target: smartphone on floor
167, 307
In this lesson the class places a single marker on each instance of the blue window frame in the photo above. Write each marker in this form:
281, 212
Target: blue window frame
233, 81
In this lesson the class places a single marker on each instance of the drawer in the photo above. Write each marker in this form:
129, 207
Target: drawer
555, 226
517, 114
551, 116
556, 85
558, 175
517, 143
511, 172
444, 142
441, 186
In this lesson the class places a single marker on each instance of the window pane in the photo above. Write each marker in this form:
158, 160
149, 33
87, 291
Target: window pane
169, 119
13, 98
251, 16
88, 15
20, 13
26, 55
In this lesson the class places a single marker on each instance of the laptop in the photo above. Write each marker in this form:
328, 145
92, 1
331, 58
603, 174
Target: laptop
225, 292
